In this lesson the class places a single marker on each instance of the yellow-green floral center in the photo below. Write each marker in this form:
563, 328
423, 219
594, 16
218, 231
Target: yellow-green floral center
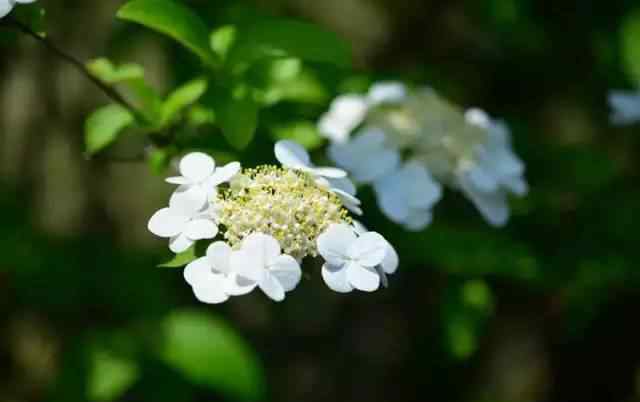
284, 203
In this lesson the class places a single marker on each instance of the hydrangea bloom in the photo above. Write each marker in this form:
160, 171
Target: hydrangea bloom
265, 222
7, 5
411, 142
625, 107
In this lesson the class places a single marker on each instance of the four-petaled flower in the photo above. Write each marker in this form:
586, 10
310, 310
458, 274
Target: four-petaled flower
200, 176
261, 262
184, 222
355, 261
7, 5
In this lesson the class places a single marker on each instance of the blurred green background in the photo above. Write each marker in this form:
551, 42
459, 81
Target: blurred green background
542, 310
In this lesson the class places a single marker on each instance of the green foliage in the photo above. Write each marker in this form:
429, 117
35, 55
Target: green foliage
278, 37
173, 19
112, 370
630, 44
181, 98
106, 71
208, 352
104, 125
303, 132
238, 119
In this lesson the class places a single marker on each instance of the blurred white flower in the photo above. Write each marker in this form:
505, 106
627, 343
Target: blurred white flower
625, 107
494, 171
7, 5
407, 195
293, 156
184, 222
260, 261
347, 112
391, 260
199, 176
352, 260
367, 157
211, 277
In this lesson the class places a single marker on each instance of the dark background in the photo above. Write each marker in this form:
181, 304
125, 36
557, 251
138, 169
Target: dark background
542, 310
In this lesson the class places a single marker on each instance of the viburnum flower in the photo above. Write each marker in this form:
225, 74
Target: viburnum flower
294, 156
347, 112
625, 107
261, 262
440, 144
7, 5
354, 261
265, 222
184, 222
407, 195
200, 176
212, 278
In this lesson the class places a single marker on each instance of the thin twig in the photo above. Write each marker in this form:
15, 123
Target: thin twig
78, 65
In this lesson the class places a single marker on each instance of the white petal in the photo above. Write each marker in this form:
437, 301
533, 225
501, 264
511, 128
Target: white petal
180, 243
197, 166
625, 107
5, 7
359, 227
482, 179
218, 255
421, 189
291, 154
239, 286
334, 242
343, 184
272, 288
378, 165
248, 265
24, 1
391, 260
199, 229
212, 289
165, 223
330, 172
387, 92
345, 114
287, 271
225, 173
262, 245
197, 270
177, 180
188, 200
418, 220
392, 199
336, 279
362, 278
477, 117
369, 249
493, 206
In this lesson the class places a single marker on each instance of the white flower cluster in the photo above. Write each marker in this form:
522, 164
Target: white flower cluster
7, 5
625, 107
267, 220
408, 143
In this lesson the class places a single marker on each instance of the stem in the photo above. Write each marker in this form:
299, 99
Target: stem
78, 65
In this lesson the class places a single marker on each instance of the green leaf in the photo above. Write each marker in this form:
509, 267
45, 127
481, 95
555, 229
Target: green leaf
104, 125
181, 259
210, 353
112, 368
106, 71
239, 120
304, 133
630, 43
174, 20
183, 97
278, 37
32, 15
222, 39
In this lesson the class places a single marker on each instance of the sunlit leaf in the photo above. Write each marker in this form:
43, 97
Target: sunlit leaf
104, 125
183, 97
105, 70
222, 39
304, 133
279, 37
210, 353
630, 44
173, 19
